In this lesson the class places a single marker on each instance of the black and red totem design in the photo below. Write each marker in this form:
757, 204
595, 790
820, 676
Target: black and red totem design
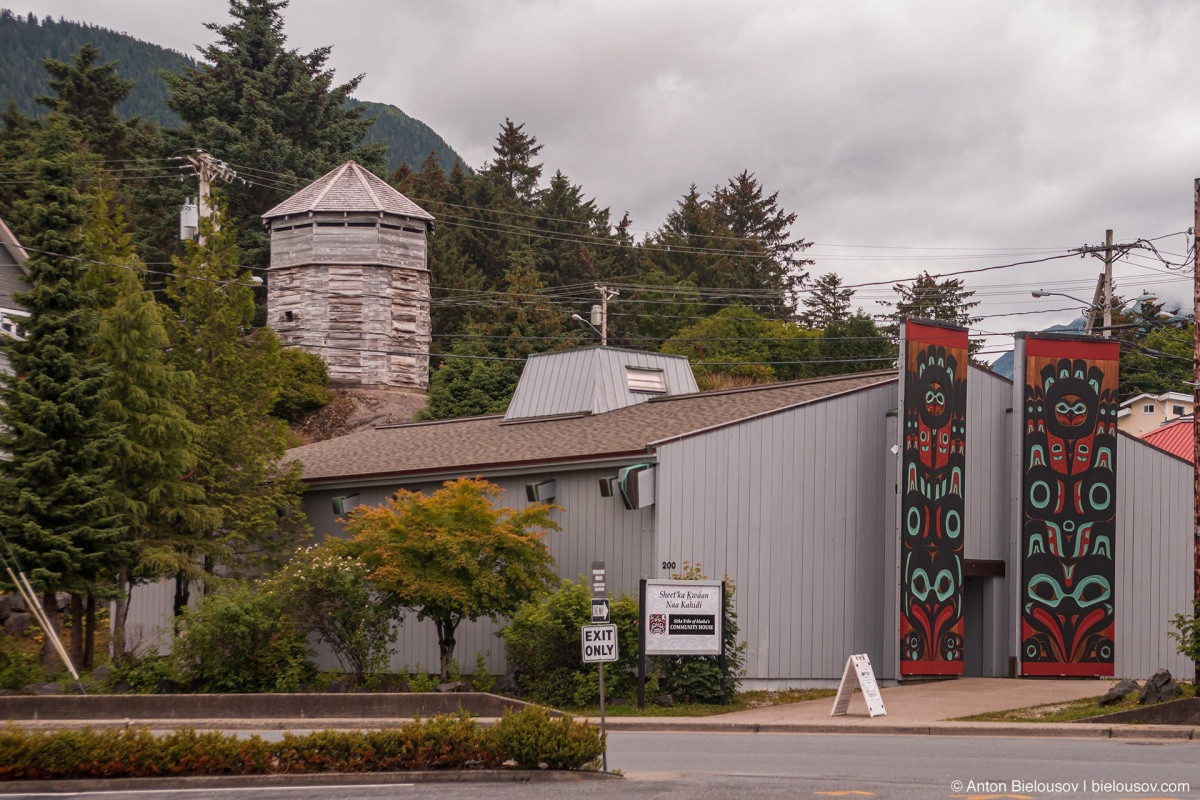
1068, 507
931, 508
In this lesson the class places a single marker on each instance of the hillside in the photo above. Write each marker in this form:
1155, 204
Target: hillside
26, 41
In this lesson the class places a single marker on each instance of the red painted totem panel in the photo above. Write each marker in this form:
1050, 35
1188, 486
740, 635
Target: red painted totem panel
1068, 507
931, 506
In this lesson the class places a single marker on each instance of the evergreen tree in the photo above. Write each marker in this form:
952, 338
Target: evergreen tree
760, 225
928, 298
158, 445
470, 382
514, 168
87, 93
826, 302
854, 344
56, 497
256, 103
255, 496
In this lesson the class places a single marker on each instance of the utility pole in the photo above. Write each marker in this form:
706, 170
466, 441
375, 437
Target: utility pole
1108, 261
1110, 253
209, 170
606, 294
1196, 414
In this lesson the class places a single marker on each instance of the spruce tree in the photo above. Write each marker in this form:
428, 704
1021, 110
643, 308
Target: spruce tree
826, 302
255, 103
158, 446
87, 92
254, 497
56, 504
514, 168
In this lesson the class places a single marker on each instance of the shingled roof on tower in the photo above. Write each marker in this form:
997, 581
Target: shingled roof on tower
349, 188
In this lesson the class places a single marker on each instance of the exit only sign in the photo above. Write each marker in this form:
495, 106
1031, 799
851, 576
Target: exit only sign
599, 643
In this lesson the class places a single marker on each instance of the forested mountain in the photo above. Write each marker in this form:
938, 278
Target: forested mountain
26, 41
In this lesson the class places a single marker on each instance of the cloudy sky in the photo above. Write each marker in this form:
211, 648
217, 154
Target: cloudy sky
906, 135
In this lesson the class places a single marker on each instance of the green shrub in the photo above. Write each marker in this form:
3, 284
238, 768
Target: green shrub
482, 680
422, 682
543, 648
531, 738
144, 674
1186, 634
16, 667
326, 592
305, 384
701, 679
240, 640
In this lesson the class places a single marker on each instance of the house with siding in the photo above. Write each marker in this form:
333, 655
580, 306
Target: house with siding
12, 272
788, 489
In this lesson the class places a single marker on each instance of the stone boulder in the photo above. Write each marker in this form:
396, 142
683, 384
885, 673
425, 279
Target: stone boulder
1119, 692
454, 686
1159, 688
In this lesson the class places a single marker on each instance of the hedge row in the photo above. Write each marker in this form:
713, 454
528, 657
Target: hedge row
530, 738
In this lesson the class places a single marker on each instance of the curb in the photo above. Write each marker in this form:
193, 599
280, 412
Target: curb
1066, 730
294, 779
1063, 730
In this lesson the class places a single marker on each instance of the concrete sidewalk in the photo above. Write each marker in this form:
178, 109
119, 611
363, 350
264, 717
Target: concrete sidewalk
926, 707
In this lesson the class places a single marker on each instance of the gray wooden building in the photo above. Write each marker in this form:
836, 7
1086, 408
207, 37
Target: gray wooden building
788, 489
12, 271
349, 279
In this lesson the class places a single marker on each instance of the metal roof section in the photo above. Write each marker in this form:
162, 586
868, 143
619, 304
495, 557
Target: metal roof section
596, 380
349, 189
1176, 437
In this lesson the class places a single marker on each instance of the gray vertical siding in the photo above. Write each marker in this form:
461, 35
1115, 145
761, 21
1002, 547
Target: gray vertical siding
594, 528
789, 506
1153, 555
988, 510
988, 496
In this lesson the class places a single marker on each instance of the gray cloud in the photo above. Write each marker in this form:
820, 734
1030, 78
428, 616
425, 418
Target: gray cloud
914, 124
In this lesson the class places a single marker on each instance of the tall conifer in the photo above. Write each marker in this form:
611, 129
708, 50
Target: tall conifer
157, 448
56, 497
254, 496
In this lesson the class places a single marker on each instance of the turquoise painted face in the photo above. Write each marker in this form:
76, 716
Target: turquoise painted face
1090, 591
941, 586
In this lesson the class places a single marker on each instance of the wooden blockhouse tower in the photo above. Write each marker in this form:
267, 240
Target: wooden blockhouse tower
349, 280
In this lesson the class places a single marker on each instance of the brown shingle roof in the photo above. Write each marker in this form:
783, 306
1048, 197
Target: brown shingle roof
349, 188
474, 443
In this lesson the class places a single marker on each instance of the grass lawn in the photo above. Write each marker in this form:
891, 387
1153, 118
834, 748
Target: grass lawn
743, 701
1066, 712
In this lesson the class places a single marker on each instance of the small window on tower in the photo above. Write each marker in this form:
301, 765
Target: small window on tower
288, 316
645, 379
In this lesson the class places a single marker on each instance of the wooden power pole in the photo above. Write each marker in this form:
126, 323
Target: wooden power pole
1196, 412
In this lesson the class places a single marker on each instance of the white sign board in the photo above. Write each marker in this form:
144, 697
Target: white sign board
599, 643
858, 672
682, 618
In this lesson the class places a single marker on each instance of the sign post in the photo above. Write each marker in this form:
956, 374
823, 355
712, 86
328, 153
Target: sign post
600, 615
599, 647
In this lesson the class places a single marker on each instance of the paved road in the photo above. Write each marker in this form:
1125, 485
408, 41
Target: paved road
706, 766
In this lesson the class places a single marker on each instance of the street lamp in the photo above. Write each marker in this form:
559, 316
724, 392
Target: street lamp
578, 318
1145, 297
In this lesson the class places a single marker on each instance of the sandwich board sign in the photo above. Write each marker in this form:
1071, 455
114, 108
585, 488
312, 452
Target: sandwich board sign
858, 672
